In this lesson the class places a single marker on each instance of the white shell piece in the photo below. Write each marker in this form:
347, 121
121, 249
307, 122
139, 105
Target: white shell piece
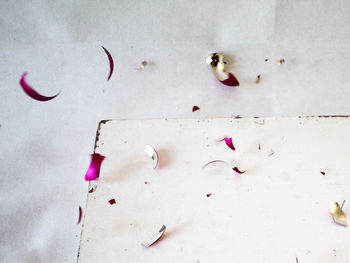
151, 152
155, 237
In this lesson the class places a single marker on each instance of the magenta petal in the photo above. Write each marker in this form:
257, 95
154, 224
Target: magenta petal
237, 170
80, 214
31, 92
111, 63
230, 81
229, 143
93, 171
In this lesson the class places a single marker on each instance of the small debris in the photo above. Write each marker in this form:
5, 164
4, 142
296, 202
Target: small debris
271, 152
209, 194
143, 65
323, 173
281, 61
257, 80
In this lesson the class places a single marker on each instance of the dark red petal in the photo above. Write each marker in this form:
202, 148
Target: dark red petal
112, 201
195, 108
259, 147
31, 92
229, 143
111, 63
146, 182
322, 172
230, 81
80, 214
209, 195
237, 170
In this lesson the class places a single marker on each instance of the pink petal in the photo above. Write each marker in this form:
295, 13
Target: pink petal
209, 195
230, 81
31, 92
111, 63
237, 170
229, 143
146, 182
112, 201
195, 108
93, 171
80, 214
323, 173
215, 161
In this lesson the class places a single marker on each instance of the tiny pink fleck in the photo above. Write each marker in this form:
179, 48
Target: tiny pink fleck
146, 182
112, 201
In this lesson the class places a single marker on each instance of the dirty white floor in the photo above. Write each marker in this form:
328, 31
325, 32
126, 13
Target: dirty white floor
45, 146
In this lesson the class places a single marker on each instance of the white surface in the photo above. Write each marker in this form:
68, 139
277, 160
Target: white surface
275, 211
45, 146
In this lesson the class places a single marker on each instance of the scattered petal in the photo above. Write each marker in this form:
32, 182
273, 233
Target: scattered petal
296, 258
111, 63
217, 64
143, 65
112, 201
215, 161
266, 59
338, 214
229, 143
270, 152
257, 80
281, 61
155, 237
238, 117
195, 108
151, 152
80, 214
209, 194
93, 171
259, 147
31, 92
237, 170
92, 189
323, 173
146, 182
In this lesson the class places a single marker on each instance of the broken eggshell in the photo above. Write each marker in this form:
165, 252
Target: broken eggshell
216, 60
151, 152
155, 237
338, 214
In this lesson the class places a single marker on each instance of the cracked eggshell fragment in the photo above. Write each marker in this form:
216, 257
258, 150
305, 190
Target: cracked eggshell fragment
155, 237
151, 152
216, 60
338, 214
